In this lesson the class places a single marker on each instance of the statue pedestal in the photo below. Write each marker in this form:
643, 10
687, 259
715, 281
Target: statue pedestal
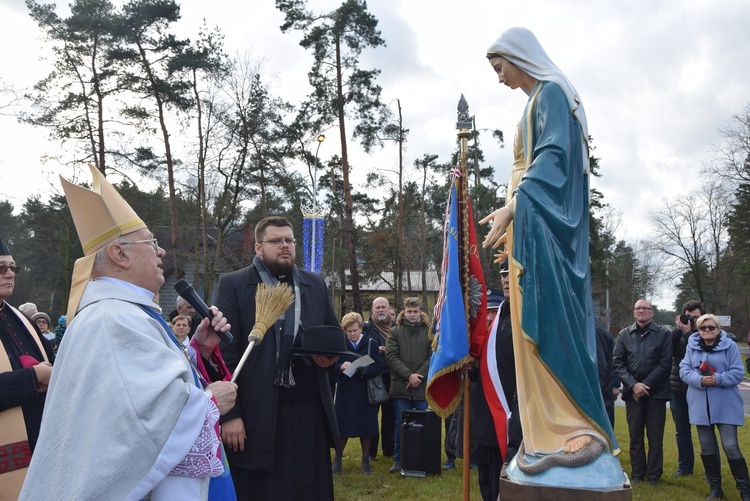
602, 479
512, 491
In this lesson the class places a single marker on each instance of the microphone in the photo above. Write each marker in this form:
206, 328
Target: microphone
186, 292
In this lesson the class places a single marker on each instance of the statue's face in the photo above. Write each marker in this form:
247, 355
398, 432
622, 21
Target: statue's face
507, 73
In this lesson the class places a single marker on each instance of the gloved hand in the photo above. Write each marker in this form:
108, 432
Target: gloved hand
361, 372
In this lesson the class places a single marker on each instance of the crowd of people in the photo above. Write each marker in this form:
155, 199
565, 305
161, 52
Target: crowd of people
120, 403
698, 369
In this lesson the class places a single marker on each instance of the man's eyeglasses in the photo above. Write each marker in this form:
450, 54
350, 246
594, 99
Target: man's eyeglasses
709, 328
4, 269
278, 242
151, 241
643, 308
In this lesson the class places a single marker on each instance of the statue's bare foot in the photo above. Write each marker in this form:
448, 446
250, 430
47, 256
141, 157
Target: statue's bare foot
577, 443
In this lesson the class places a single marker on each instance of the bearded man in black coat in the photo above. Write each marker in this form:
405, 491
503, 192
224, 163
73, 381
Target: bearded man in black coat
279, 434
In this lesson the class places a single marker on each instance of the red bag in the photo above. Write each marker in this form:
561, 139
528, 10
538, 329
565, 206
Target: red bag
706, 369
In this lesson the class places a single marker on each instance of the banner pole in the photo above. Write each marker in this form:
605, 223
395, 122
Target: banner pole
464, 124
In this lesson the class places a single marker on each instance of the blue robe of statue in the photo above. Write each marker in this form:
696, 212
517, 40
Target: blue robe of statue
550, 278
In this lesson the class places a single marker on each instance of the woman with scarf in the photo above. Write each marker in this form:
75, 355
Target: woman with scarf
713, 370
544, 226
356, 416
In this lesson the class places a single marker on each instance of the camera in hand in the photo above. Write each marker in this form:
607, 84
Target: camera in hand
687, 319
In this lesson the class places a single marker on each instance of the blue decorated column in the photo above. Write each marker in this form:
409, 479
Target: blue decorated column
313, 224
313, 234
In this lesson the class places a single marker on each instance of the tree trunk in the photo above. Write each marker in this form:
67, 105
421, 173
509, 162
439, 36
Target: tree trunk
423, 250
208, 277
349, 205
400, 216
168, 157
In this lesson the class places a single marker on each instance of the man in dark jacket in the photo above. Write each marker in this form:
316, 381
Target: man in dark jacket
500, 371
280, 432
408, 353
643, 359
378, 328
691, 311
608, 381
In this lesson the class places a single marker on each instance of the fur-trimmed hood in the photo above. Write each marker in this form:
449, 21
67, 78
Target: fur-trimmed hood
401, 319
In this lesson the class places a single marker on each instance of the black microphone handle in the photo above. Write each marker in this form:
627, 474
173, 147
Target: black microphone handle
186, 291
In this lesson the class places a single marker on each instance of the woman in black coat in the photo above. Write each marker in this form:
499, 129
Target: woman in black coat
356, 416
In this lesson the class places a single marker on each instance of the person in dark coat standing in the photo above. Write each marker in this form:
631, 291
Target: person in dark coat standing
407, 353
25, 370
608, 381
378, 328
685, 327
643, 359
484, 435
281, 430
356, 416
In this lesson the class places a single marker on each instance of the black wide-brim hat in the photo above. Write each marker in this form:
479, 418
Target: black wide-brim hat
323, 340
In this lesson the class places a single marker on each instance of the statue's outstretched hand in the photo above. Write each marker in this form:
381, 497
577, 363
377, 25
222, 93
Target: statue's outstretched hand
502, 255
500, 220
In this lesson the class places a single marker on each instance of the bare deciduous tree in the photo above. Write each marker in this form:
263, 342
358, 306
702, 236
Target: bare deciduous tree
692, 234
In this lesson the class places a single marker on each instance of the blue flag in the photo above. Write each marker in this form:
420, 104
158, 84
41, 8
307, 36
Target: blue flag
451, 345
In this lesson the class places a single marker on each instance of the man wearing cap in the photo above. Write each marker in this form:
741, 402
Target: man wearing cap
280, 433
495, 417
136, 422
25, 371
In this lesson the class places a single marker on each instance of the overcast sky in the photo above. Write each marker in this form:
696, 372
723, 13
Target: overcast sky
657, 79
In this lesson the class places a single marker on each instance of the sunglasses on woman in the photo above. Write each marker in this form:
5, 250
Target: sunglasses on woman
709, 328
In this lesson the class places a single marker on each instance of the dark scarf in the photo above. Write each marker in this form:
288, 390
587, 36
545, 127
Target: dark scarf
707, 348
285, 328
383, 327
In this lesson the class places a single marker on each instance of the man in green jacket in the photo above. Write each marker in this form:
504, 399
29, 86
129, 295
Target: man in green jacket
407, 353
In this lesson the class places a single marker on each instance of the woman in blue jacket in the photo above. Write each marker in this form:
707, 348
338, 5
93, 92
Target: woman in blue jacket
713, 370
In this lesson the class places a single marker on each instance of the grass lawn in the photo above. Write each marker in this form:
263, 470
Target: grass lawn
352, 485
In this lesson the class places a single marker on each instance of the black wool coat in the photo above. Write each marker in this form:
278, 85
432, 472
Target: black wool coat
257, 397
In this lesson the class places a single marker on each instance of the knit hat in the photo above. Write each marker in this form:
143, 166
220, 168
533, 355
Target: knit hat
42, 315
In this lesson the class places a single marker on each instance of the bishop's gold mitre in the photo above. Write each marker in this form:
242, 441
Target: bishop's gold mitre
100, 215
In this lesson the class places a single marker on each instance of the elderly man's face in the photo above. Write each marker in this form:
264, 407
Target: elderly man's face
186, 310
145, 257
381, 309
643, 312
8, 278
506, 284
